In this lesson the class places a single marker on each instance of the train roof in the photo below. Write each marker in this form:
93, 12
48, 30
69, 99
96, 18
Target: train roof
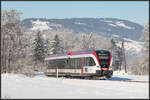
76, 53
70, 53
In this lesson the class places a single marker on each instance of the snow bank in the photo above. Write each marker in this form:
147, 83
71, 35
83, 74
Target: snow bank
121, 75
40, 86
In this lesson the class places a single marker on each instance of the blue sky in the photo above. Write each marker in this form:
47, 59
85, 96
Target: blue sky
136, 11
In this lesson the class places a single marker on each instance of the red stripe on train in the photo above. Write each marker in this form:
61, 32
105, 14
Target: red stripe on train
94, 53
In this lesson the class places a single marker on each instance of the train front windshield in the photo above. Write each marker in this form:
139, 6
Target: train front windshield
104, 58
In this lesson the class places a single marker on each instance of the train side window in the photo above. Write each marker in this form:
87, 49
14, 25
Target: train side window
49, 65
68, 63
71, 63
64, 63
52, 64
79, 63
76, 63
60, 63
86, 61
91, 62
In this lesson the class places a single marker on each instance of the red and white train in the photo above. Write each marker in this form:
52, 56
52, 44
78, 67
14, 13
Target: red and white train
89, 64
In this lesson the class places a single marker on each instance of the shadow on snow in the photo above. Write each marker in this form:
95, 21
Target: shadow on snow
119, 78
112, 78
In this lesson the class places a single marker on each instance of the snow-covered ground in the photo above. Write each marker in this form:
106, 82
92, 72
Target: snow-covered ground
40, 86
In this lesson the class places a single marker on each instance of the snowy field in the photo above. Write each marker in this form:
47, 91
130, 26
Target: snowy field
40, 86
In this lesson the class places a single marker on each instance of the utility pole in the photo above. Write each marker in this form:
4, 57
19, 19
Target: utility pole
123, 56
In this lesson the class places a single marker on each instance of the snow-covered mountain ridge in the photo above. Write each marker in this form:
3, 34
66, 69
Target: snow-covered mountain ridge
102, 26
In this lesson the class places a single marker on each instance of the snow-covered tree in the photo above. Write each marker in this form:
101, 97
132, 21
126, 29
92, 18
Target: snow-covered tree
116, 54
85, 42
146, 37
140, 65
39, 49
145, 62
56, 45
68, 39
12, 40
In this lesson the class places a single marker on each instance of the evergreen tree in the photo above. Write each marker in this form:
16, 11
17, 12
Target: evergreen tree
113, 43
56, 47
116, 53
39, 49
